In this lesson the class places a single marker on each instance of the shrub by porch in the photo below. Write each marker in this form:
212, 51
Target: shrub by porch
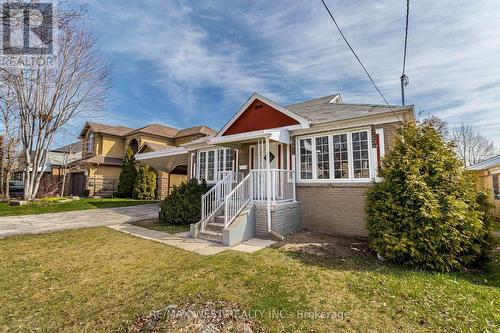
426, 211
183, 205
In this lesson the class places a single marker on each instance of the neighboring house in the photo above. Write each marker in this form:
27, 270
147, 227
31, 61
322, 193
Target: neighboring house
57, 160
276, 169
488, 179
104, 147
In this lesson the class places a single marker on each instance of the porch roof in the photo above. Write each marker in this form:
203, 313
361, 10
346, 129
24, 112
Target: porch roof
166, 159
277, 135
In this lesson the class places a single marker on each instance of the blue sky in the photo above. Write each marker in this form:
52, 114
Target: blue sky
185, 63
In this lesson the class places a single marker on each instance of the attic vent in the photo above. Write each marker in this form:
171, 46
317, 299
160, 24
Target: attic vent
337, 99
258, 106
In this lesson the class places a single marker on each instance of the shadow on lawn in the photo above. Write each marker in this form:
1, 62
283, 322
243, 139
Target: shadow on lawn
342, 253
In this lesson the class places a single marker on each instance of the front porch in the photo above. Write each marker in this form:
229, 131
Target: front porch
254, 194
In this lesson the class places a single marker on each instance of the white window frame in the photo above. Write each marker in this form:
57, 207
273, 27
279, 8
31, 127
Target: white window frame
330, 135
216, 163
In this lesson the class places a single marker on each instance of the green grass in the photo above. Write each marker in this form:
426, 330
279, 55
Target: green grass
98, 280
158, 226
53, 206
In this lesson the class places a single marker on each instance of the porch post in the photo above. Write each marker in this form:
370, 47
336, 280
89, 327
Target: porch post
268, 185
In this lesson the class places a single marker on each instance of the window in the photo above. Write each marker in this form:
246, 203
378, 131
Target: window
323, 158
306, 159
203, 165
361, 162
496, 186
340, 156
336, 157
211, 166
213, 162
90, 142
229, 159
220, 162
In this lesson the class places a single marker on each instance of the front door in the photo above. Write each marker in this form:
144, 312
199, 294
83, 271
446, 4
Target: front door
77, 183
275, 156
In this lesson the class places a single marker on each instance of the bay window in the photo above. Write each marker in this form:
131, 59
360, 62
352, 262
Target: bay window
214, 161
336, 157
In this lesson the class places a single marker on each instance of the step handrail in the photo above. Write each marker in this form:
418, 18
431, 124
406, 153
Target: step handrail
211, 201
237, 199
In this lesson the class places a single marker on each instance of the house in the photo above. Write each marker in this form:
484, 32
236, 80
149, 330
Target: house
104, 146
488, 179
274, 169
57, 160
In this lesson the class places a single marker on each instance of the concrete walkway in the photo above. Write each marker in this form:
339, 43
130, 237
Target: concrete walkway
42, 223
184, 241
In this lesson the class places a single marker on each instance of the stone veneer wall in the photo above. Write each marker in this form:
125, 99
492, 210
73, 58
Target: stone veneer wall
285, 219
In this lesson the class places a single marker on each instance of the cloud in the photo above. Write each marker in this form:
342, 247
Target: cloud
291, 51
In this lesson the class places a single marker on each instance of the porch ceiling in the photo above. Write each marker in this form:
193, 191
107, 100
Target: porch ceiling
164, 160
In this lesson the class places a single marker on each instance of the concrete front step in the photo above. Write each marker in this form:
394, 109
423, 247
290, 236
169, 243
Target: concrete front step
211, 236
215, 226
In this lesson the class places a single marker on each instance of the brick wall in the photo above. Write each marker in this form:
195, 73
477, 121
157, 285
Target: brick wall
333, 208
285, 219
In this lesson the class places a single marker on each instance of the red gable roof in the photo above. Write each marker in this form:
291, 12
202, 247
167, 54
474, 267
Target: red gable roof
259, 116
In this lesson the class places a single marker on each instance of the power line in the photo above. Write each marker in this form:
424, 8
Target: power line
404, 78
406, 35
357, 58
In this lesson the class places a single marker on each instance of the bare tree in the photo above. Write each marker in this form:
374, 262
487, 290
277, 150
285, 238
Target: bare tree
471, 146
11, 136
49, 97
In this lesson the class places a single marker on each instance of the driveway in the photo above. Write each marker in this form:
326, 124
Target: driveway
35, 224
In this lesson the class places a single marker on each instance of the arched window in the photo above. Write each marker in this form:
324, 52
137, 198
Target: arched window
134, 145
90, 142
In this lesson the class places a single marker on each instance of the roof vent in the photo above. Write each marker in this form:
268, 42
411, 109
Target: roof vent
336, 100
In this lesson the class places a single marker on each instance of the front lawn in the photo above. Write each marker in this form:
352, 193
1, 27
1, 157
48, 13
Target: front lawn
96, 280
53, 206
155, 224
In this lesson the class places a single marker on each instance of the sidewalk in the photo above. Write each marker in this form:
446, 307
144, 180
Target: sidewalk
185, 242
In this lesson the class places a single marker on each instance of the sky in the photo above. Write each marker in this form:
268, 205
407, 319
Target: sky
187, 63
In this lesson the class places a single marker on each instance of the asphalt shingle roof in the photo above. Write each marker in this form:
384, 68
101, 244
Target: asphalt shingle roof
320, 110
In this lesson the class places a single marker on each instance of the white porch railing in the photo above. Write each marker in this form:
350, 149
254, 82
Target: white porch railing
254, 188
282, 185
237, 199
213, 200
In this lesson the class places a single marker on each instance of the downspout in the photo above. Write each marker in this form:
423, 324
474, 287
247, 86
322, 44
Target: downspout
268, 182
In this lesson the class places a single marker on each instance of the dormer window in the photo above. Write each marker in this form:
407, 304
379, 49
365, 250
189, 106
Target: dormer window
90, 142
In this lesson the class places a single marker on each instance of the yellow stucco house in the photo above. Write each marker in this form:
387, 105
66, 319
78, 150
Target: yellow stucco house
488, 179
104, 147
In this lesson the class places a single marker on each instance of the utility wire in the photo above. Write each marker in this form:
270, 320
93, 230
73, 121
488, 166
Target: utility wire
357, 58
404, 78
406, 35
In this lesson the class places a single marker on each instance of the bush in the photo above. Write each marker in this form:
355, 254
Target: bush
426, 212
145, 183
128, 175
183, 205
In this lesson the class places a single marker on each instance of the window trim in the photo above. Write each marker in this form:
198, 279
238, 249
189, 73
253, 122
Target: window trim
495, 196
216, 163
330, 135
90, 134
